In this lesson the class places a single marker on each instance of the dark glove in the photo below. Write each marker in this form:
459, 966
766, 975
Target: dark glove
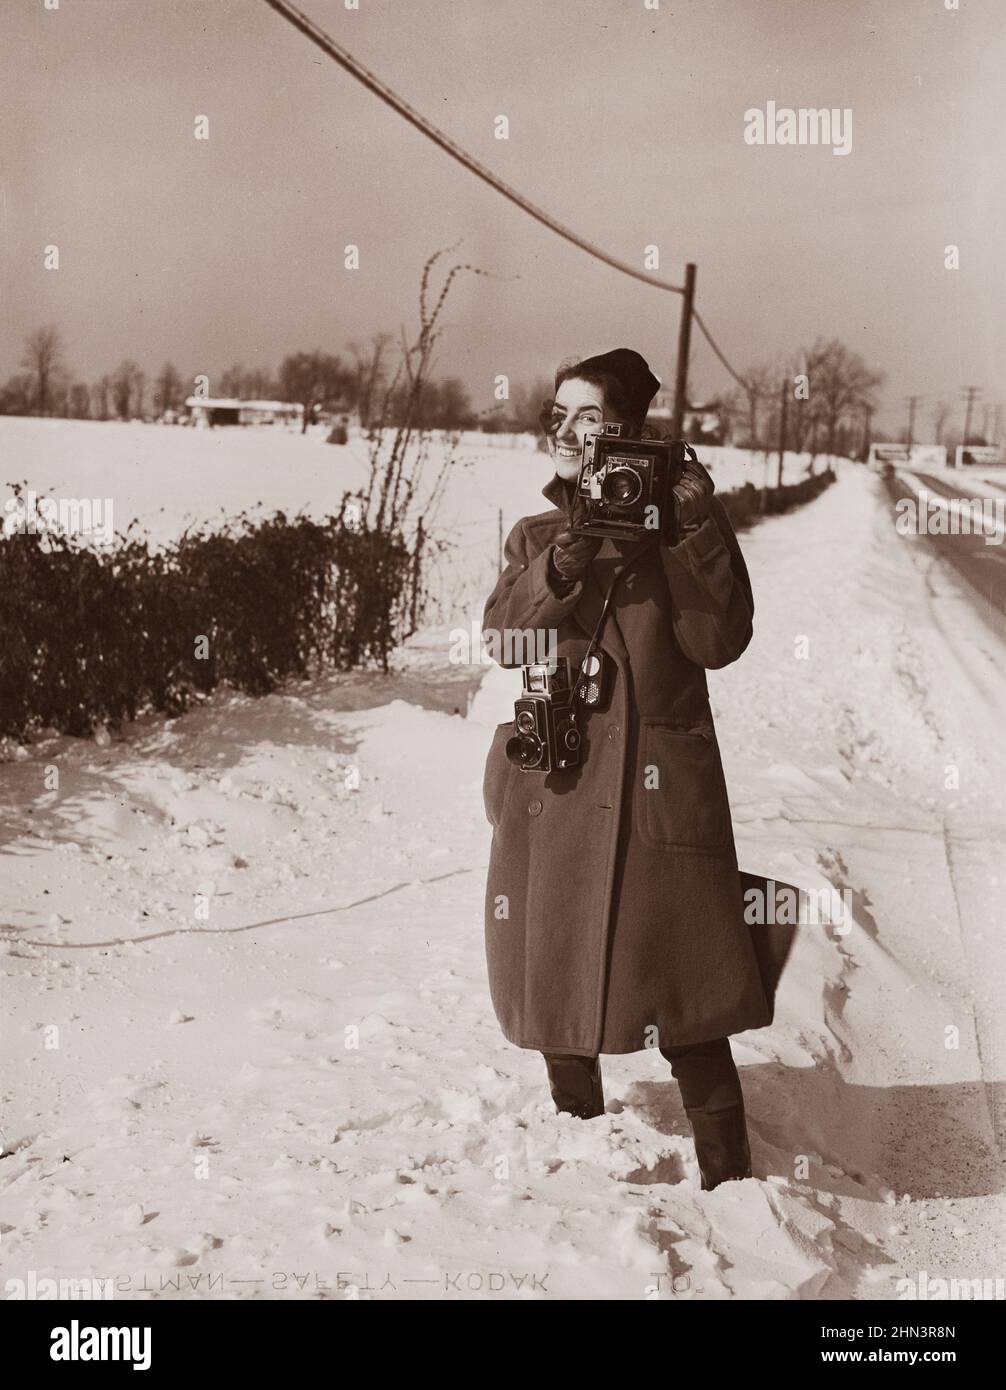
573, 553
692, 494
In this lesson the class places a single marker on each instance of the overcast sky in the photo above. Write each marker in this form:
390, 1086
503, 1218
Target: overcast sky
624, 122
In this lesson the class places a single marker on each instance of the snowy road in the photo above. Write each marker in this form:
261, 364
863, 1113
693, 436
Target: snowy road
970, 512
303, 1092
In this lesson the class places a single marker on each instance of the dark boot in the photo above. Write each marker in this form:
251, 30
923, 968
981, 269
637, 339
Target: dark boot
714, 1103
721, 1145
575, 1083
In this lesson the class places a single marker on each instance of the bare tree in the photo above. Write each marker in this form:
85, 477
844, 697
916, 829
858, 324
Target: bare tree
125, 379
727, 406
801, 408
314, 379
79, 403
760, 387
371, 374
101, 393
840, 384
233, 383
16, 395
527, 401
169, 390
43, 359
941, 414
444, 405
392, 486
139, 392
261, 385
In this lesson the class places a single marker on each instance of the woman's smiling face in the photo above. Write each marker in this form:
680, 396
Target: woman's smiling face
577, 412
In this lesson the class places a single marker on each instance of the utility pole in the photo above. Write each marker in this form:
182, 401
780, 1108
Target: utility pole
783, 402
684, 343
970, 392
911, 402
866, 433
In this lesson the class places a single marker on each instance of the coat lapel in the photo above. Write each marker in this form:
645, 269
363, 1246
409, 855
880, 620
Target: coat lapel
588, 610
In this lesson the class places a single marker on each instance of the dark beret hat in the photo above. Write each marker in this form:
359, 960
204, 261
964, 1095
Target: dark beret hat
628, 368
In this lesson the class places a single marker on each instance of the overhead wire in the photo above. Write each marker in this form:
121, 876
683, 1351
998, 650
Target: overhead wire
373, 83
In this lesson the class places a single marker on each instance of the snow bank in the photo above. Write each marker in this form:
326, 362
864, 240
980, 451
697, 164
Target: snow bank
247, 1017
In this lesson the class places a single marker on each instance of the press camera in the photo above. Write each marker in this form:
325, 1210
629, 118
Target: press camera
625, 484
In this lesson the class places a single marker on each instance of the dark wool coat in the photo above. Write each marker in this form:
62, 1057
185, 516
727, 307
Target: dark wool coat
614, 915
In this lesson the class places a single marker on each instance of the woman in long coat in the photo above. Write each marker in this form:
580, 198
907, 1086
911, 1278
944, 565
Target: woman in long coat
614, 913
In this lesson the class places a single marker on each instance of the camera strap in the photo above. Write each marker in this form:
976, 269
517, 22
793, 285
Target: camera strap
596, 636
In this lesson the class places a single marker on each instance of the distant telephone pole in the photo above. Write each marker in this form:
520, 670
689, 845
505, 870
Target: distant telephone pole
970, 393
684, 344
911, 402
783, 402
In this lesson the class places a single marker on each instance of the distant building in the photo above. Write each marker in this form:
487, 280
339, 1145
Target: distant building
207, 411
916, 455
662, 405
701, 421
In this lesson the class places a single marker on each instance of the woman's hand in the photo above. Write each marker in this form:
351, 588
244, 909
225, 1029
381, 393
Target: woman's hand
573, 553
692, 493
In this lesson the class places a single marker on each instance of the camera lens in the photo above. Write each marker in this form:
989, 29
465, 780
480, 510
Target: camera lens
525, 752
525, 722
621, 487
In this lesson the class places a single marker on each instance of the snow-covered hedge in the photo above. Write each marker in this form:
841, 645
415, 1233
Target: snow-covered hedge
95, 636
744, 504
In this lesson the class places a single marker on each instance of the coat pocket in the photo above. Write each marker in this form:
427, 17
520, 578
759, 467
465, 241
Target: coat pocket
684, 792
496, 779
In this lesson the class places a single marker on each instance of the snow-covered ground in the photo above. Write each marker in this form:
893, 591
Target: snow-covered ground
168, 477
249, 1044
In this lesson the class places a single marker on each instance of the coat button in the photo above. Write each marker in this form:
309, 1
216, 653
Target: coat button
534, 808
613, 732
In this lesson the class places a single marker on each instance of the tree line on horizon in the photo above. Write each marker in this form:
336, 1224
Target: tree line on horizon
833, 416
361, 382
